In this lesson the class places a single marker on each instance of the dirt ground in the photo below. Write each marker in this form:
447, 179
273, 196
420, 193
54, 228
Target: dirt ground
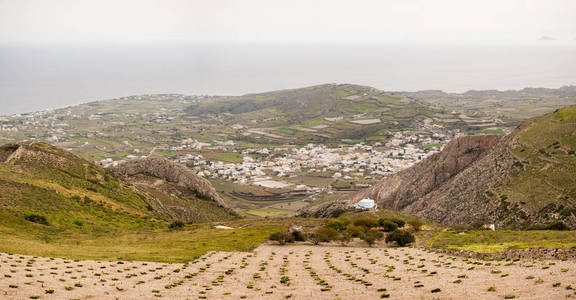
311, 271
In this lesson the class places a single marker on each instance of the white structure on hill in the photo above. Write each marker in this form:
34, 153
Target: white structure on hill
366, 204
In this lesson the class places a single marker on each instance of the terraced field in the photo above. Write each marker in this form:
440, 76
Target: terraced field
295, 272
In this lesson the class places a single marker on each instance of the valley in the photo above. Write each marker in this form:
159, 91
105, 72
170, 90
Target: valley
254, 196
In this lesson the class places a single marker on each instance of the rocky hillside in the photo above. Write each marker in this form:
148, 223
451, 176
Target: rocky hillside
173, 190
524, 179
43, 187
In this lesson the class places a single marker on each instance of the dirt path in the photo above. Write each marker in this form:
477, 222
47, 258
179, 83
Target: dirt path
293, 272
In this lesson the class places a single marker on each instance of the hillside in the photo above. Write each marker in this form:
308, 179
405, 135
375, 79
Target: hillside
328, 112
175, 191
71, 193
75, 195
522, 180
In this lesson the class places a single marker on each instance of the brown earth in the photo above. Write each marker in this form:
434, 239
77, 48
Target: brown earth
312, 271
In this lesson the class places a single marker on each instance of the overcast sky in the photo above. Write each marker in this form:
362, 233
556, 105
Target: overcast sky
125, 21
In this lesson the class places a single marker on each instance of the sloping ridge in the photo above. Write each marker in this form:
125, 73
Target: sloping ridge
174, 190
38, 178
525, 179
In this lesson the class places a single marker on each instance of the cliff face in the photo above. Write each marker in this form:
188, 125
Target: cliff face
525, 179
408, 186
174, 190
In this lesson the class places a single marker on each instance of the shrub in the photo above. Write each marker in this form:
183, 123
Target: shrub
281, 237
401, 237
338, 224
416, 224
354, 231
388, 225
324, 235
298, 236
345, 238
557, 226
365, 222
372, 236
176, 225
34, 218
337, 212
399, 222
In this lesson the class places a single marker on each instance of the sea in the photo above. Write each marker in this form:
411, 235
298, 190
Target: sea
44, 76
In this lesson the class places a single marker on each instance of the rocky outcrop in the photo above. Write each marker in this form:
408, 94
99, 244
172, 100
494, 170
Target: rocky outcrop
173, 191
164, 169
408, 186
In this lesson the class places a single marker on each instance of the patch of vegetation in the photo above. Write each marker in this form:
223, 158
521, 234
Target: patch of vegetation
487, 241
34, 218
400, 237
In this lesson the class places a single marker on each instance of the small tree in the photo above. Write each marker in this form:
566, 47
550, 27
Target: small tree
367, 223
354, 231
298, 236
338, 224
399, 222
34, 218
401, 237
176, 225
372, 236
388, 225
416, 224
557, 226
281, 237
324, 235
345, 238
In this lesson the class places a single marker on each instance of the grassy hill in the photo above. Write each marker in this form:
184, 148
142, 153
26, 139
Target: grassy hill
546, 183
71, 193
526, 180
329, 112
54, 203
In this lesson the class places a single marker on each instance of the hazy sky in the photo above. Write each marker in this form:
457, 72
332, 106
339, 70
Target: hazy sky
46, 21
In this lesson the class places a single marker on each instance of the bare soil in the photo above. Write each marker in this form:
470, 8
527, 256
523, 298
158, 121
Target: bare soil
329, 272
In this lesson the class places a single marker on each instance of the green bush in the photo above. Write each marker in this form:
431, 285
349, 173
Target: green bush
557, 226
399, 222
337, 212
338, 224
176, 225
372, 236
367, 223
34, 218
281, 237
416, 224
388, 225
354, 231
298, 236
401, 237
324, 235
344, 238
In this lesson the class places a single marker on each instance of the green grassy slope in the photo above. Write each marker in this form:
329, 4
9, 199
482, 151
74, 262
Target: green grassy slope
92, 214
70, 192
546, 183
318, 113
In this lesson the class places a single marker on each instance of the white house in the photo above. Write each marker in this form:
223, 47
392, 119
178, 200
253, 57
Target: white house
366, 204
